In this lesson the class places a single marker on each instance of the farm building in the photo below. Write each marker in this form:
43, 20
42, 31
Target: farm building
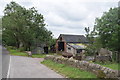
74, 44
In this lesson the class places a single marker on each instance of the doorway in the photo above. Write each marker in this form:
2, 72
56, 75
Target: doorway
60, 46
46, 50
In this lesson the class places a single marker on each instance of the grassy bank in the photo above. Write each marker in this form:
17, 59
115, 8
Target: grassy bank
41, 55
68, 71
114, 66
18, 53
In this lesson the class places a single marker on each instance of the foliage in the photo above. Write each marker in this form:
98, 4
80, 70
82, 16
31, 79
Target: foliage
93, 48
101, 74
53, 41
68, 71
24, 27
105, 33
87, 29
108, 29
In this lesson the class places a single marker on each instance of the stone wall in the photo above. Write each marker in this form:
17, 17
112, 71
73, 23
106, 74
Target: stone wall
85, 65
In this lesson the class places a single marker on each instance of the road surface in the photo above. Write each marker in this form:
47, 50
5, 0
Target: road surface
4, 62
27, 67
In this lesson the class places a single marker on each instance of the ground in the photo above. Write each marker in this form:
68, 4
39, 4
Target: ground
23, 66
68, 71
27, 67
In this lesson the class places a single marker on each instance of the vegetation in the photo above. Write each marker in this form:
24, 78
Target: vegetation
105, 33
24, 28
108, 29
17, 53
41, 55
114, 66
101, 74
68, 71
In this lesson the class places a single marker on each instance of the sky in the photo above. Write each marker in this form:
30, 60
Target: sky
67, 16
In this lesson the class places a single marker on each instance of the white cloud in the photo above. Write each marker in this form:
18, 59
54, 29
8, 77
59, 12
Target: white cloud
64, 16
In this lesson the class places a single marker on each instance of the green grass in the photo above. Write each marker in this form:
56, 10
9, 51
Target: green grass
114, 66
38, 56
17, 53
111, 65
68, 71
41, 55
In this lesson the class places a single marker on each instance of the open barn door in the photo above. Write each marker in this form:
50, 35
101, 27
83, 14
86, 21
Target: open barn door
61, 46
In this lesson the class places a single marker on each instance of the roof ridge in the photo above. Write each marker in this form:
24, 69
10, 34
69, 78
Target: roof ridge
72, 34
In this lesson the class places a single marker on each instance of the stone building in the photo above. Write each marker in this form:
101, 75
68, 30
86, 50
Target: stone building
74, 44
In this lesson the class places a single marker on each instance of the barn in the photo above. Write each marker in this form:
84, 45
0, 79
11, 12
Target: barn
74, 44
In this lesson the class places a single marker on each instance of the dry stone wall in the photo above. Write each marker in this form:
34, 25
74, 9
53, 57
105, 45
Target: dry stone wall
84, 65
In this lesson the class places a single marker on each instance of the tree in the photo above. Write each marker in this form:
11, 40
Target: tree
89, 35
24, 27
108, 29
87, 29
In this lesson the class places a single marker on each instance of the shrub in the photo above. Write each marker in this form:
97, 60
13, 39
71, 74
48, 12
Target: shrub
100, 74
21, 49
11, 47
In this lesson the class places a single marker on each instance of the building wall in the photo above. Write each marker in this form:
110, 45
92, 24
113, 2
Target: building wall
73, 50
70, 49
56, 45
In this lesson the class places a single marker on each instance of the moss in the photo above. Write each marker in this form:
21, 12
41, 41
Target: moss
101, 74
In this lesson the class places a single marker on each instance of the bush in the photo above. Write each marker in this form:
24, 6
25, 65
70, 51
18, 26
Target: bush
11, 47
101, 74
21, 49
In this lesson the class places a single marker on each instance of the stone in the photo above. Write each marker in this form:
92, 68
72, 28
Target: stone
84, 65
105, 71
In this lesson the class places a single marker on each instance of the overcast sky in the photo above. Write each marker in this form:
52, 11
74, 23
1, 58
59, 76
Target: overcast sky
67, 16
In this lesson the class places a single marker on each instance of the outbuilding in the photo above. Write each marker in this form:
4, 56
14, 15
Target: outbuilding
74, 44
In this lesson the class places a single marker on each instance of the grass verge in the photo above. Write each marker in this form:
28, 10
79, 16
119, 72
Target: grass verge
17, 53
41, 55
68, 71
114, 66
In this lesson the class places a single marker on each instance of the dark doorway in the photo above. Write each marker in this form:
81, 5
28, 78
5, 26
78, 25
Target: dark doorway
79, 50
60, 46
46, 50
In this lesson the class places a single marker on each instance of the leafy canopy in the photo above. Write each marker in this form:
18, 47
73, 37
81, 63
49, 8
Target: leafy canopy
24, 27
108, 29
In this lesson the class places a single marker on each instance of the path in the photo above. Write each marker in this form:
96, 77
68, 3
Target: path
26, 67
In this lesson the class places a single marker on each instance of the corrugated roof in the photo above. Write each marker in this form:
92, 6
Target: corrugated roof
77, 46
74, 38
